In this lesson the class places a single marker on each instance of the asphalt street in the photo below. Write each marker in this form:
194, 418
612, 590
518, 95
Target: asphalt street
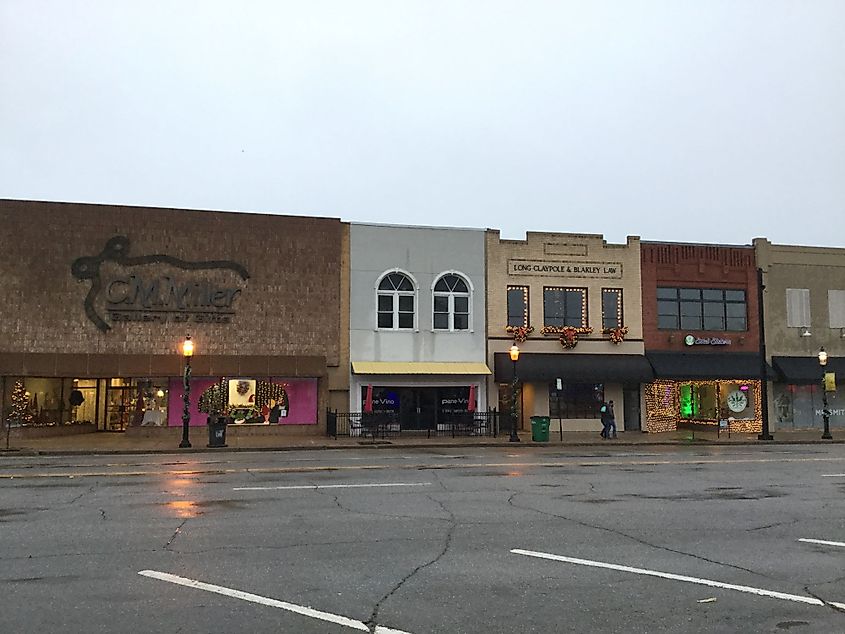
513, 539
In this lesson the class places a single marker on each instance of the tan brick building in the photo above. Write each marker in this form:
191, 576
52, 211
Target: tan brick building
571, 303
98, 299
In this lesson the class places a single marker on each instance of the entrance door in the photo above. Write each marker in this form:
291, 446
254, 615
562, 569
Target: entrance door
120, 402
417, 408
631, 405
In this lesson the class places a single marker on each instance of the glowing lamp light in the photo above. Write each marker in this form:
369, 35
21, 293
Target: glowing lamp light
822, 357
160, 393
514, 352
188, 347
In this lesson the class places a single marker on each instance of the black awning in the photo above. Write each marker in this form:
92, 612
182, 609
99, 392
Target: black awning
586, 368
803, 370
682, 365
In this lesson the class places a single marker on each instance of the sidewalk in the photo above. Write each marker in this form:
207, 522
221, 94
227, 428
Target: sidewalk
127, 443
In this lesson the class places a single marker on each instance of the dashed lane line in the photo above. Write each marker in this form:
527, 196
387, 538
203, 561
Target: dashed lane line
821, 541
333, 486
275, 603
668, 575
418, 466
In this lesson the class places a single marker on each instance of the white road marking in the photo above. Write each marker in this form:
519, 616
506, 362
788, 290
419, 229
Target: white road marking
821, 541
333, 486
668, 575
833, 475
275, 603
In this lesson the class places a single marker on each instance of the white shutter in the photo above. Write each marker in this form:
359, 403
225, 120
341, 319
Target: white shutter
798, 307
836, 305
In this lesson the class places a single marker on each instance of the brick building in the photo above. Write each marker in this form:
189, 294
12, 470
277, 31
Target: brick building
701, 333
98, 298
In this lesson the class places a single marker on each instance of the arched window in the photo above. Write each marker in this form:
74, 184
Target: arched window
451, 303
396, 297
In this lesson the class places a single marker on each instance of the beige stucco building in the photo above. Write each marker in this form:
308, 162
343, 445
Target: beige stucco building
804, 311
572, 305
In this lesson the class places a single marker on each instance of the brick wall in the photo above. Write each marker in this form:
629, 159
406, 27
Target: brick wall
698, 266
289, 307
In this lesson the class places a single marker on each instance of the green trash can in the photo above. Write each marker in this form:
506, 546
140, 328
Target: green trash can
540, 428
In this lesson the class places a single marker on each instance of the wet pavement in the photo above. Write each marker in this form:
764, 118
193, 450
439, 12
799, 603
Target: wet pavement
167, 441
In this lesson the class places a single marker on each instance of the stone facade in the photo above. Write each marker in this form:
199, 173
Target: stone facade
570, 261
281, 319
796, 402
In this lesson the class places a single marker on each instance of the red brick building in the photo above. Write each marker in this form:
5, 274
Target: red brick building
98, 299
701, 333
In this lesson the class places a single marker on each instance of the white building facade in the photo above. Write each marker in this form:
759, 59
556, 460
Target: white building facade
417, 322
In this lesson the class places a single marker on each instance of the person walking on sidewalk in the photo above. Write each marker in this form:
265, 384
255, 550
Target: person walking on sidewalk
605, 420
610, 432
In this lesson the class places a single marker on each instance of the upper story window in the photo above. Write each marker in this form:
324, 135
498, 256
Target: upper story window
797, 307
611, 308
701, 309
836, 306
564, 306
396, 299
517, 306
451, 303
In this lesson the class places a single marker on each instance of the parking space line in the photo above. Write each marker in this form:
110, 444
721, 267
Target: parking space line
255, 598
833, 475
333, 486
668, 575
821, 541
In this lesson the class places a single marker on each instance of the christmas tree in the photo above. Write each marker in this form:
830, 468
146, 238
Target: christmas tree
20, 406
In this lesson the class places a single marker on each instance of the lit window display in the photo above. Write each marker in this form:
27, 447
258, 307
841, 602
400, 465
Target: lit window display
731, 401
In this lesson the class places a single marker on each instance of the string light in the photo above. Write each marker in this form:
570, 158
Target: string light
663, 405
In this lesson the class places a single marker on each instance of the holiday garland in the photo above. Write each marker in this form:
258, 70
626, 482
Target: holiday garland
519, 333
568, 334
617, 335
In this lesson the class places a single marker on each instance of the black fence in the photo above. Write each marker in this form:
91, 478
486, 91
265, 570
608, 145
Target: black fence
387, 425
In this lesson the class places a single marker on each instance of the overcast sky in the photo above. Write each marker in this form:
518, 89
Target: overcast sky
688, 120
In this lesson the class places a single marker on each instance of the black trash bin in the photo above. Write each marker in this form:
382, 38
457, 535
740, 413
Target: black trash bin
217, 430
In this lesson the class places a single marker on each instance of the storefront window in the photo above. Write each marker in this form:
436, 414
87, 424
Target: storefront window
564, 307
32, 401
717, 400
136, 402
517, 305
611, 308
701, 309
575, 400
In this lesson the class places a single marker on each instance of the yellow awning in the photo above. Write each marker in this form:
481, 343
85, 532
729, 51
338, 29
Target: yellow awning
419, 367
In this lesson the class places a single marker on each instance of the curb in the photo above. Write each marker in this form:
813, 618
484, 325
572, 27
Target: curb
387, 446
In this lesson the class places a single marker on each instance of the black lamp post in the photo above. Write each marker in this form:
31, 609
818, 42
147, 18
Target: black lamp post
514, 352
825, 412
187, 352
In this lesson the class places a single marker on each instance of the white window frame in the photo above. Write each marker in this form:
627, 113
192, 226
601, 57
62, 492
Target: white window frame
395, 294
451, 295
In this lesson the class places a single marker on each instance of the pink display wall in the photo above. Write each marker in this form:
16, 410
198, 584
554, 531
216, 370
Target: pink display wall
302, 396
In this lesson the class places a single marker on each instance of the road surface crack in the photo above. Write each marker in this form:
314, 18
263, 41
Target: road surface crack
175, 533
637, 539
373, 620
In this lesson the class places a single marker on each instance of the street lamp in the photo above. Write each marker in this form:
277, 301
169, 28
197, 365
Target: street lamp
825, 412
514, 352
187, 352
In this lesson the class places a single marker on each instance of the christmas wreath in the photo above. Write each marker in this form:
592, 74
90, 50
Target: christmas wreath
519, 333
568, 334
617, 335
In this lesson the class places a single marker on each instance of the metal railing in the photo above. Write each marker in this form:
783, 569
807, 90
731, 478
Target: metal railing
386, 425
